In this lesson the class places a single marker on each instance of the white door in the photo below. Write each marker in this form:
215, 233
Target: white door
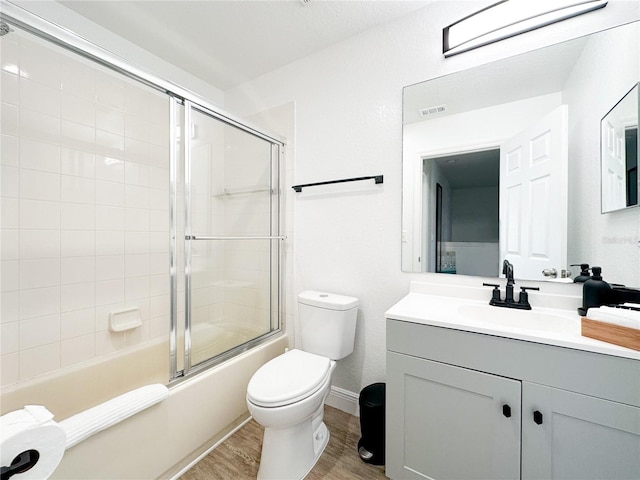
533, 197
613, 166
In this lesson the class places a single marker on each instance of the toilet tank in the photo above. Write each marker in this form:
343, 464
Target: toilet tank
327, 323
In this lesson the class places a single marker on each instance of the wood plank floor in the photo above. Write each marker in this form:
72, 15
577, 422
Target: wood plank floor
238, 458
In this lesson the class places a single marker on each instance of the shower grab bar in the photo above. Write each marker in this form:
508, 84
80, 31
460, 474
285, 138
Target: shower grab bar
377, 178
193, 237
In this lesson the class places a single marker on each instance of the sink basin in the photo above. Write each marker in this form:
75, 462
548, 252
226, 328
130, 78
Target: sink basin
523, 319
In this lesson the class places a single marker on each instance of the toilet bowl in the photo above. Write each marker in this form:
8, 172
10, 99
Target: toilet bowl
295, 435
287, 394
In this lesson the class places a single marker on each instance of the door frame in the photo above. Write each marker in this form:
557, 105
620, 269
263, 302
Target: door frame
427, 231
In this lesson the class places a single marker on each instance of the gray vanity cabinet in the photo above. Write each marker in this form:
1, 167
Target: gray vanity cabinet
578, 437
450, 422
462, 405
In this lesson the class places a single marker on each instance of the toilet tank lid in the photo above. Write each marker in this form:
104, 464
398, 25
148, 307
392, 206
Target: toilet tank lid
329, 301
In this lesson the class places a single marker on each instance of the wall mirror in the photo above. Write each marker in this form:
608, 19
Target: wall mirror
619, 154
503, 161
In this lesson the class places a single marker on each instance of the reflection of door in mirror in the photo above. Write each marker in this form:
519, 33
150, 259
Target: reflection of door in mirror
613, 167
619, 154
533, 196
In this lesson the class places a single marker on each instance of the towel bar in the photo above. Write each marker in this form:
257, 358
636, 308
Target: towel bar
377, 178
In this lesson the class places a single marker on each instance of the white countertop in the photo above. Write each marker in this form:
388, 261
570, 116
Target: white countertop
443, 311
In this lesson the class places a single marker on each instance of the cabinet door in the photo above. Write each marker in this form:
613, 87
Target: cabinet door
446, 422
576, 436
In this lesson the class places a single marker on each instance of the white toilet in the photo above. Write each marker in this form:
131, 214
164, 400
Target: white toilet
286, 395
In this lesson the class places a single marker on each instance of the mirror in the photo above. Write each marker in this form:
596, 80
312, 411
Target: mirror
619, 154
484, 180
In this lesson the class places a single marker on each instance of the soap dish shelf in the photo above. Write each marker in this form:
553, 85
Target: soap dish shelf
125, 319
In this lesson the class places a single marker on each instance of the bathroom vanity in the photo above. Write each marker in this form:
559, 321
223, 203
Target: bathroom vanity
482, 392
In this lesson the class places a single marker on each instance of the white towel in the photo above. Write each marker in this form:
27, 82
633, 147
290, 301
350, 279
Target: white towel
617, 316
96, 419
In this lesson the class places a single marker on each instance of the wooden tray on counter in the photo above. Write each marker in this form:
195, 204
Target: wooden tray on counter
610, 333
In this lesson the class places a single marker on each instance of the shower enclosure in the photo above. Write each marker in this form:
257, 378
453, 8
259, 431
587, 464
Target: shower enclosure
126, 197
229, 181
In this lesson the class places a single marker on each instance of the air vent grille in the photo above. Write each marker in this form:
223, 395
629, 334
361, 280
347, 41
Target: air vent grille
425, 112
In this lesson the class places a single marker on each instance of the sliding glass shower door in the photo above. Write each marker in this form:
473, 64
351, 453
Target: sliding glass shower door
231, 237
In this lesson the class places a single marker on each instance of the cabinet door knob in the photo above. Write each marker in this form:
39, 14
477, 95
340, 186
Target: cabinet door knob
506, 410
537, 417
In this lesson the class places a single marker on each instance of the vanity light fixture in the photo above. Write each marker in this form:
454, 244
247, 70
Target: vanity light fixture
508, 18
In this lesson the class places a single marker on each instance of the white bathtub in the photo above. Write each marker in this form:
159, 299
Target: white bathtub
160, 441
68, 391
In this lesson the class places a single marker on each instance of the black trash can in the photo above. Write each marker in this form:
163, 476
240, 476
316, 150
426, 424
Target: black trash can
372, 405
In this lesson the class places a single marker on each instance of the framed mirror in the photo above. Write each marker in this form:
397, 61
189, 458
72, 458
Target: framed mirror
619, 154
515, 147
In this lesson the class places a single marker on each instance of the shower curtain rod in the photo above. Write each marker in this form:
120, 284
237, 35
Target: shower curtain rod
377, 178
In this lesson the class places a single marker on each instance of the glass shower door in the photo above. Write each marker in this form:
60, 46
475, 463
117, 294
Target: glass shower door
232, 242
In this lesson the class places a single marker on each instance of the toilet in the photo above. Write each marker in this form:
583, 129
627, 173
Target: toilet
286, 395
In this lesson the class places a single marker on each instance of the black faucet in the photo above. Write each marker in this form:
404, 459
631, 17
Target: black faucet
507, 271
509, 302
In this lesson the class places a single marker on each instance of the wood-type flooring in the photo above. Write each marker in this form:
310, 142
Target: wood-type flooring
238, 458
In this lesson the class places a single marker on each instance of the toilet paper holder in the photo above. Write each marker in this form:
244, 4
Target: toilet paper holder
32, 444
23, 462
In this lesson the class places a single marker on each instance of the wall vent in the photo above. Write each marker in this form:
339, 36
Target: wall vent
425, 112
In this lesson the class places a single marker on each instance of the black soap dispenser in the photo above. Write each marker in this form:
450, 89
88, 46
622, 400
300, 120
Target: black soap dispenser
584, 273
595, 291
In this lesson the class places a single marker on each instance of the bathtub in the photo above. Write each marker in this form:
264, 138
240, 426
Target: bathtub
68, 391
160, 442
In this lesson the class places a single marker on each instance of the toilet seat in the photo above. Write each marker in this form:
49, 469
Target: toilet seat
288, 379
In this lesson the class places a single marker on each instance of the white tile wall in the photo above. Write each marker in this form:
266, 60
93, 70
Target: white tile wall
84, 190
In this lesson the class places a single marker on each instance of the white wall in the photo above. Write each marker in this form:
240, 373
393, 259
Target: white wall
349, 123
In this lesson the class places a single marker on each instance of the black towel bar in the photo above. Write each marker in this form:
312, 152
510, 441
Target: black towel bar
377, 178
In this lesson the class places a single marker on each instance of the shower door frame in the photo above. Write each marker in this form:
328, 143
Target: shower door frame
277, 152
62, 37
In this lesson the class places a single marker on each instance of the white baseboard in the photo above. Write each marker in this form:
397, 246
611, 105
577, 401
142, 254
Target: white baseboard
344, 400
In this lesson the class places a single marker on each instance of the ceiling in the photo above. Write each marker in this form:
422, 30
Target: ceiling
228, 42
